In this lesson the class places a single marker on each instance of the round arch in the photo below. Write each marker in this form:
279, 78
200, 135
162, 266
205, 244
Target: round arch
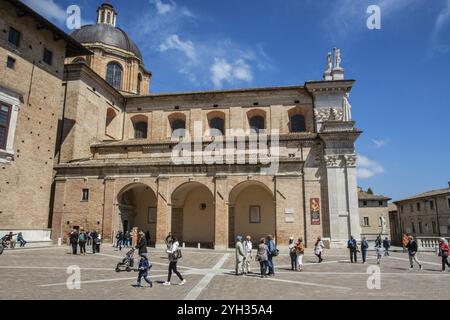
137, 207
252, 211
193, 214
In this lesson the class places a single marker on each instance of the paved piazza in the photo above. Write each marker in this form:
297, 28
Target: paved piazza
41, 273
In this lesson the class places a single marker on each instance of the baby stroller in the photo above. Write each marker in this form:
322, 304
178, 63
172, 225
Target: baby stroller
127, 262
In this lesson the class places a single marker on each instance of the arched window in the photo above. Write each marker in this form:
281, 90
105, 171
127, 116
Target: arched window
109, 17
140, 130
114, 75
102, 20
139, 84
218, 124
297, 123
178, 124
257, 123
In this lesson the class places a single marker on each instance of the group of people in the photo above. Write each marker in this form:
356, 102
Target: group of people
82, 238
174, 254
10, 240
381, 247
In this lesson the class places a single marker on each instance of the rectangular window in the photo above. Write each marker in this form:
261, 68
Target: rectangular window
255, 214
413, 227
420, 227
85, 195
431, 205
433, 224
380, 203
366, 221
14, 37
5, 115
401, 209
418, 206
365, 203
10, 62
448, 202
48, 56
411, 207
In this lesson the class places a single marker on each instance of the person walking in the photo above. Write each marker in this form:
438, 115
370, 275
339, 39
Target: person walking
364, 248
89, 238
82, 238
318, 249
292, 253
272, 253
412, 253
353, 248
74, 241
144, 267
142, 244
169, 240
240, 255
98, 242
262, 257
21, 240
94, 236
248, 247
386, 246
120, 240
300, 250
379, 251
443, 252
174, 254
126, 239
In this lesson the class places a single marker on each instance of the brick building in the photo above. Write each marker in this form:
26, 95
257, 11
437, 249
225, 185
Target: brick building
118, 147
32, 55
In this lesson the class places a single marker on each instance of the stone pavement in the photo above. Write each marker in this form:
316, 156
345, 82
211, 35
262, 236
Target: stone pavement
41, 273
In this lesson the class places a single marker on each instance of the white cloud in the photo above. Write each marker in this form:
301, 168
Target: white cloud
48, 9
367, 168
222, 71
174, 42
162, 7
380, 143
442, 20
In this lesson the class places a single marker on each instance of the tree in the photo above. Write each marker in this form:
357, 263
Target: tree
369, 191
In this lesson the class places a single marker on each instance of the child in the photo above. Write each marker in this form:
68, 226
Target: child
144, 266
379, 250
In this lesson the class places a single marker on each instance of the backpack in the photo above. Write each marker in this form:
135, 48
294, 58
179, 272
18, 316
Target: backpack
82, 238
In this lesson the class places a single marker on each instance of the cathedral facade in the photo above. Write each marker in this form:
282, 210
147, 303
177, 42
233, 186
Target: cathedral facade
205, 166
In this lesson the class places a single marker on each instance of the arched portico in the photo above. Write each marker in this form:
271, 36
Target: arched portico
251, 211
193, 214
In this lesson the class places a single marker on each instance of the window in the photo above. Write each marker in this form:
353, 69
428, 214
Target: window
5, 115
418, 206
380, 203
366, 221
108, 17
297, 123
401, 209
431, 205
218, 124
85, 195
365, 203
178, 124
413, 227
433, 224
255, 214
114, 75
411, 207
448, 202
14, 37
420, 227
48, 56
140, 130
257, 123
10, 63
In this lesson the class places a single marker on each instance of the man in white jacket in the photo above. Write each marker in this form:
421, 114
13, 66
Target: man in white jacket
248, 246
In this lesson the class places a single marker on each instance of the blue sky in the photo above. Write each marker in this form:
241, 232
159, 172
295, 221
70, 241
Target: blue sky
401, 99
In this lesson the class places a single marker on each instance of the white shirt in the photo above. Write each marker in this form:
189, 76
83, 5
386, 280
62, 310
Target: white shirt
248, 246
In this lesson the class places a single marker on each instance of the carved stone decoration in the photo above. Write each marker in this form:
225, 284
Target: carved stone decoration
332, 161
350, 160
347, 108
327, 114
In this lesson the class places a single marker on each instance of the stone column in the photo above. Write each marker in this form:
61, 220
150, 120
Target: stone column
221, 214
353, 208
164, 214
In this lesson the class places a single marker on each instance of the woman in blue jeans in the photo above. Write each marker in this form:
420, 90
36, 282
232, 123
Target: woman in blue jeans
292, 254
262, 257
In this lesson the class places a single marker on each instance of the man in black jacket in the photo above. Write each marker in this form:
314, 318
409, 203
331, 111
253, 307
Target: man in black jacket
412, 253
142, 244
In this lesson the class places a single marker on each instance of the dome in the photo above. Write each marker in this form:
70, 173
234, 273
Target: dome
108, 35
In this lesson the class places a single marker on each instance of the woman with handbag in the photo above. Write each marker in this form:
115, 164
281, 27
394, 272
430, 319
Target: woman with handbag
443, 251
174, 254
262, 257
